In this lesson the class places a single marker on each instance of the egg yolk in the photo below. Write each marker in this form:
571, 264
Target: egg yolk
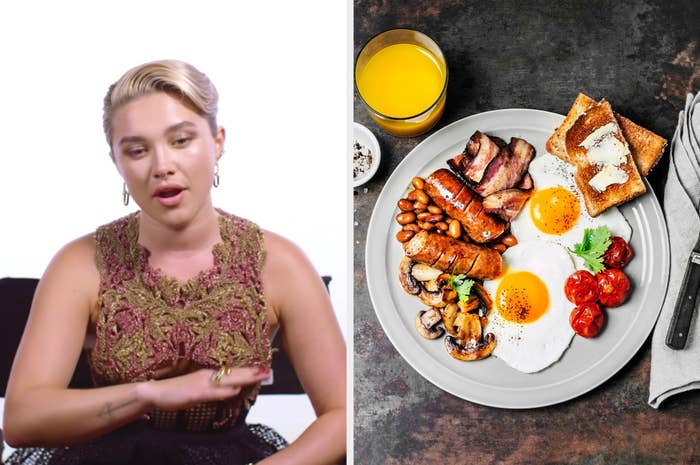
521, 297
554, 210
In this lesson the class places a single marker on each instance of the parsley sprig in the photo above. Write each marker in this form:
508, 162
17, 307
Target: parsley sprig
462, 285
591, 249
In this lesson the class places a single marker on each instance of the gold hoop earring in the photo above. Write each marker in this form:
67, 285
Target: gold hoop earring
125, 195
216, 175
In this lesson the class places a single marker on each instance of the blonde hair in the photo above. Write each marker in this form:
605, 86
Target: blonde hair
176, 78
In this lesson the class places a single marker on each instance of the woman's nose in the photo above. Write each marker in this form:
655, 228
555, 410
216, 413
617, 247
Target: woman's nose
163, 163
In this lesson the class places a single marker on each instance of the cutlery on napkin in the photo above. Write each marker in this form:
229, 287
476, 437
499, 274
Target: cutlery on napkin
676, 371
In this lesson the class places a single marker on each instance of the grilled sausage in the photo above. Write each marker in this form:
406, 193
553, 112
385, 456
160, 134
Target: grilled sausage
456, 199
454, 256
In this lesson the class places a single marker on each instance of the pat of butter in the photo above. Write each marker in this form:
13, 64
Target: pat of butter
598, 134
608, 151
604, 148
610, 174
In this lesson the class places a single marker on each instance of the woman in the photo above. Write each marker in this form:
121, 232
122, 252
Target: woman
177, 304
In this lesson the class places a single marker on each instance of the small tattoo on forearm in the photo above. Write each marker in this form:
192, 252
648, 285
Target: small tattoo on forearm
109, 408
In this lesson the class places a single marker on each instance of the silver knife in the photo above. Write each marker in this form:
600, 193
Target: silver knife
677, 335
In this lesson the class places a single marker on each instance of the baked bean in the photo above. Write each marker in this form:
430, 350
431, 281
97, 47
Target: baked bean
500, 248
422, 197
423, 216
434, 218
419, 207
411, 227
425, 225
509, 240
404, 236
405, 205
454, 229
442, 226
411, 195
405, 218
418, 183
434, 209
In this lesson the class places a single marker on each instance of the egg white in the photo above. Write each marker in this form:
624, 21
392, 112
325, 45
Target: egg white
549, 171
531, 347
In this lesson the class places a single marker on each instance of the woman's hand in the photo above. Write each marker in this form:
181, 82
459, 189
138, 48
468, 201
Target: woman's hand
199, 386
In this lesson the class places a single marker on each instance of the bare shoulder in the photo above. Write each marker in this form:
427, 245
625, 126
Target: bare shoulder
286, 265
289, 277
73, 269
78, 254
282, 253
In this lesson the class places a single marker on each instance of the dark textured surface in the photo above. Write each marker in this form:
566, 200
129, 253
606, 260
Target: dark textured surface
643, 57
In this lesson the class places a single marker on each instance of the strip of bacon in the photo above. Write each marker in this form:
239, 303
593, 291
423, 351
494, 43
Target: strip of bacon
507, 203
508, 168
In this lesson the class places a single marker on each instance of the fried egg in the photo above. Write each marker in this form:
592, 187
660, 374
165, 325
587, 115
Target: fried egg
530, 313
556, 212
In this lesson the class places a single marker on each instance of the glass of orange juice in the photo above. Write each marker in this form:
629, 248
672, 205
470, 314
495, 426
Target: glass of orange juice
401, 76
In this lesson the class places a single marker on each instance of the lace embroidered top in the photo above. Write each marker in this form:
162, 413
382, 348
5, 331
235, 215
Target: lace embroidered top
147, 320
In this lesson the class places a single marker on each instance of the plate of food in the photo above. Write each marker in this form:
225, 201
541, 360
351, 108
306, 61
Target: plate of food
472, 248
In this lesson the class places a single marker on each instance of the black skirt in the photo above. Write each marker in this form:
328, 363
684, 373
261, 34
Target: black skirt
139, 443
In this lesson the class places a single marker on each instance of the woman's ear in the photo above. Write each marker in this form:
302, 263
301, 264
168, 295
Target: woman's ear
220, 139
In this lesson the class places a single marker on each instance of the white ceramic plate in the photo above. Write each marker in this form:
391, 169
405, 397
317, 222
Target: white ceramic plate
588, 362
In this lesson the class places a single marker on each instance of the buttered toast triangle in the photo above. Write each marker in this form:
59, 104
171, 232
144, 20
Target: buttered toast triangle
556, 144
605, 174
646, 147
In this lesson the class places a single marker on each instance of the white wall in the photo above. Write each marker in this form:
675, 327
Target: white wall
282, 79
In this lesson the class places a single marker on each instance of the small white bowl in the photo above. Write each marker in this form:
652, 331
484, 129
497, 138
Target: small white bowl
364, 137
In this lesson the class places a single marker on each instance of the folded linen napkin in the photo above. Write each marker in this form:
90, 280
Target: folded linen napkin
676, 371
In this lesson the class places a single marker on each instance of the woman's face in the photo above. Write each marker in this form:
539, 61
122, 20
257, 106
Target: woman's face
166, 154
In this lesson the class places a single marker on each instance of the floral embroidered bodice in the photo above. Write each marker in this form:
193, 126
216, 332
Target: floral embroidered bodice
147, 321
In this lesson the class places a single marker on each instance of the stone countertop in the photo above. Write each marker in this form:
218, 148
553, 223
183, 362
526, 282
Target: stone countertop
643, 57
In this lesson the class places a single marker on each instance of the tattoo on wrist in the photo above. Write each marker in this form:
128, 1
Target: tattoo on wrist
109, 408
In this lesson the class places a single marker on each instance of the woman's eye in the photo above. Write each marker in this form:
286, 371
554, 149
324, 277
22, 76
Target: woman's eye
181, 141
135, 152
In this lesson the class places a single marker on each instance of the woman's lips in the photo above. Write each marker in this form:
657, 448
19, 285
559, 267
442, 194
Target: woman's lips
170, 197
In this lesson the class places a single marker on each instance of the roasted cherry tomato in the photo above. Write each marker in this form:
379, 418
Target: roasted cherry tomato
613, 287
581, 287
586, 319
618, 253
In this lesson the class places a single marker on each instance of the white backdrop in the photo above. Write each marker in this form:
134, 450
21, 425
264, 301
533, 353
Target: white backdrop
282, 80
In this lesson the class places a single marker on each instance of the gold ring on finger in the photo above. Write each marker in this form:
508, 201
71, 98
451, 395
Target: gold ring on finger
220, 373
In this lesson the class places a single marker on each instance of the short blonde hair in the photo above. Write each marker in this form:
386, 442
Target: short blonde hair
174, 77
